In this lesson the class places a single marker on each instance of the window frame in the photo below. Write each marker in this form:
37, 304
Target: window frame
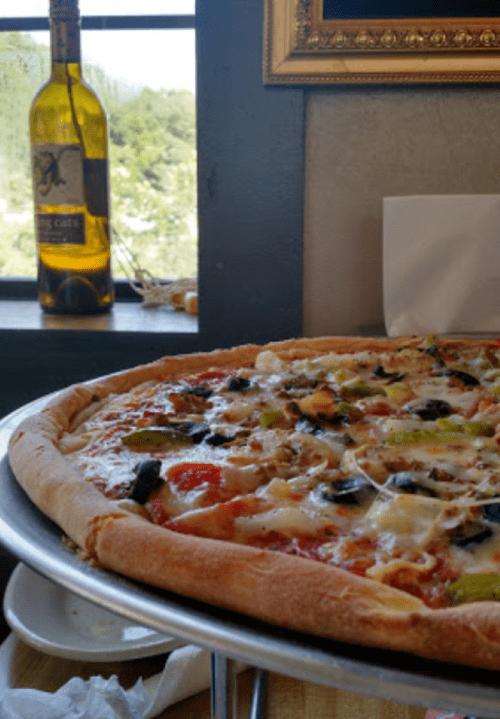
250, 177
105, 22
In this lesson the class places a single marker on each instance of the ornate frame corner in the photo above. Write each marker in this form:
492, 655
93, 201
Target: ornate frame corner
303, 48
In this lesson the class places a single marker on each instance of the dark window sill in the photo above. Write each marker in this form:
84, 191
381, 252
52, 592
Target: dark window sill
43, 353
19, 310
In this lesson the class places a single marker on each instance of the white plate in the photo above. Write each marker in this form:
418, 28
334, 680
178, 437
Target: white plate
50, 618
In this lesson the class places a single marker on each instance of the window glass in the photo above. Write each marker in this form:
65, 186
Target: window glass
146, 81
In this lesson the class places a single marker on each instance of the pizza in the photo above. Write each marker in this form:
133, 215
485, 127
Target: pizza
347, 488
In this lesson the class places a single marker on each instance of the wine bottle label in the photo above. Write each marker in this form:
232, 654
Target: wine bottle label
56, 228
58, 175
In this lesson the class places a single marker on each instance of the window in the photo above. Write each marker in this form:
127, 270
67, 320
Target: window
143, 69
250, 180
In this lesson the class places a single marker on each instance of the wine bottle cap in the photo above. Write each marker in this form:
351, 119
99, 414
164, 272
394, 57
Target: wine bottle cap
64, 10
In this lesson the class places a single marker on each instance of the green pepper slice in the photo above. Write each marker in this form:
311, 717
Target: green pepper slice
156, 438
269, 416
474, 588
479, 429
424, 435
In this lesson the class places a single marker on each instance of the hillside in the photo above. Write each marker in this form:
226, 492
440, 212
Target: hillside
152, 166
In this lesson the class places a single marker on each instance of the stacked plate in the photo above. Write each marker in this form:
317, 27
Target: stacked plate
52, 619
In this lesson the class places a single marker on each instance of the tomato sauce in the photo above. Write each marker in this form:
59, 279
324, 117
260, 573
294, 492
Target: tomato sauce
158, 514
429, 586
307, 547
218, 523
188, 476
212, 376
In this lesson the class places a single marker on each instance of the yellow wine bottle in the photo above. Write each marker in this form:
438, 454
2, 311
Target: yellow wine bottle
69, 155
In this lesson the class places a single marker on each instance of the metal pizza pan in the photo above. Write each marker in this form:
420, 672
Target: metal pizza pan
33, 539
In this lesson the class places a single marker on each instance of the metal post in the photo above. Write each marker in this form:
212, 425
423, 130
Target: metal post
223, 687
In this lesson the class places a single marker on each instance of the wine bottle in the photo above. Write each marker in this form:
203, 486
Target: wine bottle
69, 153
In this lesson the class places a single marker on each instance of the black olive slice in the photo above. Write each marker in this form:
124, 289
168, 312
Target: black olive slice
429, 409
352, 491
238, 384
196, 430
491, 512
199, 391
379, 371
216, 440
469, 534
464, 377
147, 479
407, 483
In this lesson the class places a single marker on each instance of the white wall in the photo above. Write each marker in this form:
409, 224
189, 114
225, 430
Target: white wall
368, 142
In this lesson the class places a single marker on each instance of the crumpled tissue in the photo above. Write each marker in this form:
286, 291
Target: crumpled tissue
441, 264
187, 671
77, 699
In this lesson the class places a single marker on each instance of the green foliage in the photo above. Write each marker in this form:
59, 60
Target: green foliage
152, 167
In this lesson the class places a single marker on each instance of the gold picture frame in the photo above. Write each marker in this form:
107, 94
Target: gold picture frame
301, 47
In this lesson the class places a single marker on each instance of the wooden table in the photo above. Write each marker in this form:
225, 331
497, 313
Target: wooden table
286, 698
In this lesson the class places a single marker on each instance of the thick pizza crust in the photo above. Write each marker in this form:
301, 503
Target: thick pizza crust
300, 594
288, 591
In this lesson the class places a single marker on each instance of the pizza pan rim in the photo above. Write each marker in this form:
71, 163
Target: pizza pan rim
35, 541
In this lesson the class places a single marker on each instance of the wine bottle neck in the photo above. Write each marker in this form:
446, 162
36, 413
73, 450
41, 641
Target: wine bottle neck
62, 71
65, 42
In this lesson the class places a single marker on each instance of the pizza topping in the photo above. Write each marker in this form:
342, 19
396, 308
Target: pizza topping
385, 464
474, 588
357, 389
469, 534
420, 436
238, 384
197, 431
270, 417
188, 476
184, 401
354, 490
213, 376
479, 429
464, 377
216, 439
321, 403
200, 390
491, 512
379, 371
147, 479
409, 483
155, 438
429, 409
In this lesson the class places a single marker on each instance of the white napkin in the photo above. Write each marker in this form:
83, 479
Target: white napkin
441, 264
186, 672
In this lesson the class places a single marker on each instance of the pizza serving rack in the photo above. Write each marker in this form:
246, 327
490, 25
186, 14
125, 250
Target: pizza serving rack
31, 537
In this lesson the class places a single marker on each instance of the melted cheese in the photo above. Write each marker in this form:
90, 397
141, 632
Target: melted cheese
404, 514
276, 474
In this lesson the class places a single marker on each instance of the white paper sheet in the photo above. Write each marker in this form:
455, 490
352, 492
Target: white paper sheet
441, 264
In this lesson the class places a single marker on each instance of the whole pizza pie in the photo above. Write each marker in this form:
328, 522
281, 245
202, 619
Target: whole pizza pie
343, 487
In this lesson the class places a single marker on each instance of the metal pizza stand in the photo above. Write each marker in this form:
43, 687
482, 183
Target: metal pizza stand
230, 637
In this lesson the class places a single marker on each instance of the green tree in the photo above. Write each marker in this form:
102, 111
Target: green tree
152, 166
153, 173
